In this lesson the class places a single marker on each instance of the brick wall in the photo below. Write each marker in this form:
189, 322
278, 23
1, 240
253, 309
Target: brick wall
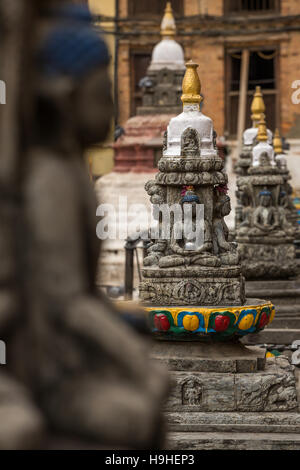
289, 72
290, 7
210, 57
203, 7
209, 53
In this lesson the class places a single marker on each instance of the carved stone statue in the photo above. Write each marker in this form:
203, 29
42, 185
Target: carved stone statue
227, 251
185, 251
266, 217
88, 370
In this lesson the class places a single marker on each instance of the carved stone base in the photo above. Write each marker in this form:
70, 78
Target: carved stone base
268, 261
223, 395
193, 286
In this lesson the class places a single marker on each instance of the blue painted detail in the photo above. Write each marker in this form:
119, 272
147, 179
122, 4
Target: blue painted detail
201, 328
244, 313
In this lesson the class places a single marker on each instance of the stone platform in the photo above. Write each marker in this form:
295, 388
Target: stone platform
285, 295
228, 396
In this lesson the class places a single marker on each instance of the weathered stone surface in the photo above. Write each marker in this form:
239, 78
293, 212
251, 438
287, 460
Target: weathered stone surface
265, 221
261, 422
194, 291
273, 336
229, 441
205, 357
230, 389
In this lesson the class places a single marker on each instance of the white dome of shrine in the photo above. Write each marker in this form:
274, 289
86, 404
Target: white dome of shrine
250, 135
167, 54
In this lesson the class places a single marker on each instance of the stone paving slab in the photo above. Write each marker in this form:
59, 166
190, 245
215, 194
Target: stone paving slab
232, 441
234, 422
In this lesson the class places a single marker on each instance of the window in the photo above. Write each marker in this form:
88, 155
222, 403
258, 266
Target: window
148, 8
263, 71
139, 63
252, 6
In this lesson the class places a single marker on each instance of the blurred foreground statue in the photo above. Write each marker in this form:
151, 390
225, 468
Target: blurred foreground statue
88, 372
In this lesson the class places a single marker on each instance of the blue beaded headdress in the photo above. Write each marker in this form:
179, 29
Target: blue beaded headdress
73, 48
265, 192
190, 196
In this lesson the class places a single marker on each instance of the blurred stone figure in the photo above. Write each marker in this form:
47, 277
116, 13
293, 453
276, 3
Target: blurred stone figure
88, 371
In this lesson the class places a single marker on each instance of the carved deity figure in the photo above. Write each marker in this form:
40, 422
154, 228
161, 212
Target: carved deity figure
284, 211
190, 143
266, 217
225, 250
184, 251
243, 219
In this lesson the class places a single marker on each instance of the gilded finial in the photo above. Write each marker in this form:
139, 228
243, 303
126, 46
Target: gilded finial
262, 135
258, 106
191, 85
168, 25
277, 143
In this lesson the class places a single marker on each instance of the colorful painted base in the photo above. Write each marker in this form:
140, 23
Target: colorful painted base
215, 323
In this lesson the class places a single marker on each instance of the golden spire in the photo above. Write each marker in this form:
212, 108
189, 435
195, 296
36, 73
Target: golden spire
277, 143
262, 135
258, 106
168, 25
191, 85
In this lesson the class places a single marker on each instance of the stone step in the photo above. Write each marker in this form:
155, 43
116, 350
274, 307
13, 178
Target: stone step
290, 310
286, 323
233, 422
278, 297
273, 336
274, 285
232, 441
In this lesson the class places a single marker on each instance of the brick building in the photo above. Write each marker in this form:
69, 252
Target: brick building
214, 33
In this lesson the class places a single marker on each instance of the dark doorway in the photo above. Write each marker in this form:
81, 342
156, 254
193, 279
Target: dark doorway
251, 6
263, 72
139, 63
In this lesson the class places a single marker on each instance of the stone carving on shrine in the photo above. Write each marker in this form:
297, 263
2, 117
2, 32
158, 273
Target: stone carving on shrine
193, 287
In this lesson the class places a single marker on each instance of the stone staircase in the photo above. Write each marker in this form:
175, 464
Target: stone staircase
285, 295
233, 431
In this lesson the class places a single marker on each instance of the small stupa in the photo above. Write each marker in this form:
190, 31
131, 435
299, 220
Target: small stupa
194, 297
137, 148
250, 135
264, 233
190, 289
162, 85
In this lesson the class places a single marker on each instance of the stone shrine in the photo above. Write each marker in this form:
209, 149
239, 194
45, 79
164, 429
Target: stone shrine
194, 297
284, 292
264, 234
249, 140
176, 274
136, 149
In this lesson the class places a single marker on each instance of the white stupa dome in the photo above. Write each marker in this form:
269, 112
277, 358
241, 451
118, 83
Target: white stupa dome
167, 54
